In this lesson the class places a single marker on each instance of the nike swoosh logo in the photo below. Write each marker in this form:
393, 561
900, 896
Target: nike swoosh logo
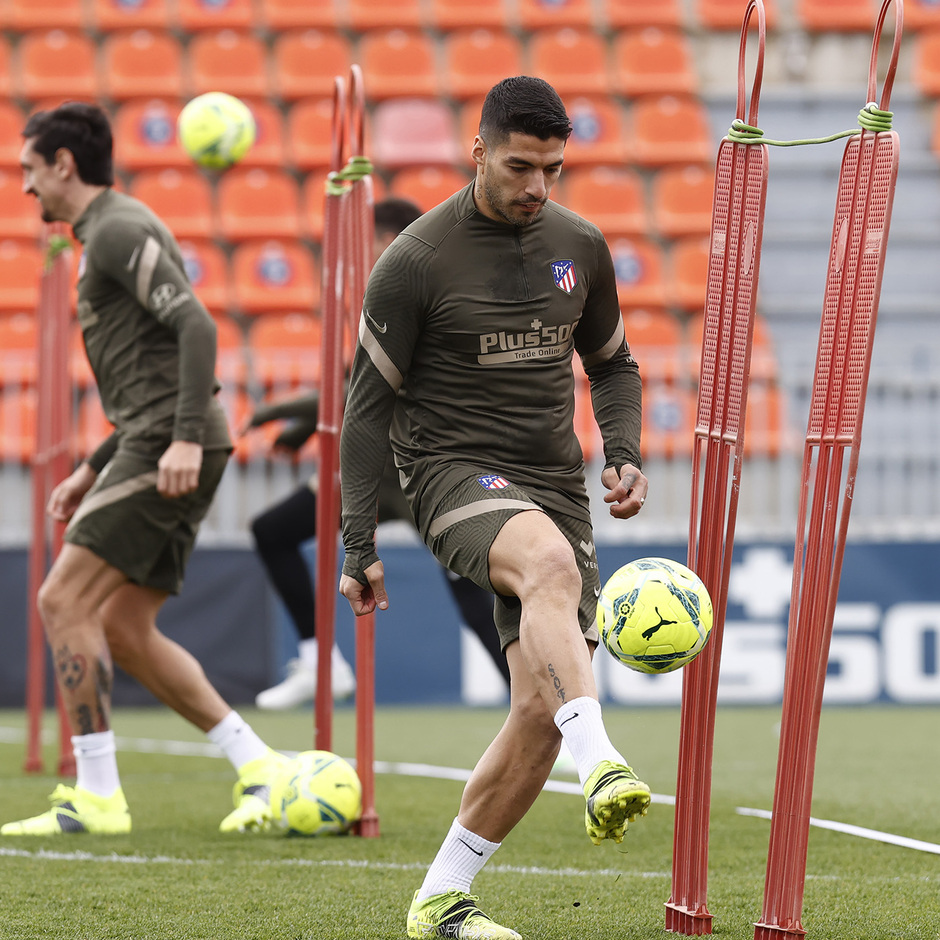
472, 849
597, 592
375, 323
575, 715
133, 261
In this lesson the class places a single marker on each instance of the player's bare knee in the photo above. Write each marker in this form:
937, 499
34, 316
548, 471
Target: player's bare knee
556, 570
54, 605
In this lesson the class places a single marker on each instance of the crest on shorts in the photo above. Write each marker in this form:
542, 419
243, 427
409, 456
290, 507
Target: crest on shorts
564, 275
493, 482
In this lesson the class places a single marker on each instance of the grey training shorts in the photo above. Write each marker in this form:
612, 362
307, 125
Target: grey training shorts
467, 522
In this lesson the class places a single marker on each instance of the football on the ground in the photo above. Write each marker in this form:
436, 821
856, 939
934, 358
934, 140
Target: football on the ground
654, 615
216, 129
316, 793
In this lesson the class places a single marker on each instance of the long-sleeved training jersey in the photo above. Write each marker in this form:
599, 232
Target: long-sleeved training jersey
465, 346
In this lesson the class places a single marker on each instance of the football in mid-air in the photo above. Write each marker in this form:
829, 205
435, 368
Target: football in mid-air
316, 793
654, 615
216, 129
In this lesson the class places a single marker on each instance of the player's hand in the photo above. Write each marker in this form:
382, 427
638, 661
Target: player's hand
178, 469
627, 493
64, 499
364, 598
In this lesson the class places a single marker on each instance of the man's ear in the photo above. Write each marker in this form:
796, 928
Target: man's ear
478, 151
65, 163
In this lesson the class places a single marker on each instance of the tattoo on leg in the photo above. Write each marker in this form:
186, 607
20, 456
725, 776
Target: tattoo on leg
105, 676
71, 668
85, 724
556, 681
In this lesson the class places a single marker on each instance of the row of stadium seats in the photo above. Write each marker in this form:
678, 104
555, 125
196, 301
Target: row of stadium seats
263, 276
652, 131
358, 15
123, 65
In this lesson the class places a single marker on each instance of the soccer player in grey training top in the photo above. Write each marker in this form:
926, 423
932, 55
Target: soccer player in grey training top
133, 508
466, 338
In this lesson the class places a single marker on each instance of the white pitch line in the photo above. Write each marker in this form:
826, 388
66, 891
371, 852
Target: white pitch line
10, 735
850, 830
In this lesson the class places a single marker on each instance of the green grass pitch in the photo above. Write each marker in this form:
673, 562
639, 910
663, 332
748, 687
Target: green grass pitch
177, 877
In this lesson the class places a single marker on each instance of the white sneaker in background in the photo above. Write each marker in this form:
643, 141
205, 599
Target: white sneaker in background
300, 686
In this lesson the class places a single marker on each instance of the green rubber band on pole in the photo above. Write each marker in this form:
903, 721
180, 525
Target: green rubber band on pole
335, 185
356, 168
870, 118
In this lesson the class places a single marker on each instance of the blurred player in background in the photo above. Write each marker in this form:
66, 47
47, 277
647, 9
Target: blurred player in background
134, 506
281, 531
469, 323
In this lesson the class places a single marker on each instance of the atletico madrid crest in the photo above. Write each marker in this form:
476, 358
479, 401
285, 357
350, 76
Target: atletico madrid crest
564, 275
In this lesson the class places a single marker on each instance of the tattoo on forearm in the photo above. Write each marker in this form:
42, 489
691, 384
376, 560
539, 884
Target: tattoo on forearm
556, 681
71, 668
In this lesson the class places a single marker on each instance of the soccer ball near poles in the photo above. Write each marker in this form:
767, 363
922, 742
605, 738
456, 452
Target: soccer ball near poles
216, 130
654, 615
316, 793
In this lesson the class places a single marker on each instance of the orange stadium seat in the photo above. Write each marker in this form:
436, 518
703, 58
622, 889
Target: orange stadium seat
628, 14
285, 350
575, 61
20, 269
656, 339
468, 124
653, 61
18, 425
610, 197
398, 63
447, 15
109, 15
729, 14
19, 213
920, 14
668, 129
145, 135
539, 14
229, 60
280, 15
193, 15
18, 349
12, 120
682, 200
409, 131
925, 69
22, 15
55, 63
231, 362
476, 59
668, 421
638, 265
270, 147
142, 62
258, 203
6, 69
305, 62
689, 273
181, 197
427, 186
207, 269
598, 132
838, 15
362, 15
274, 276
309, 129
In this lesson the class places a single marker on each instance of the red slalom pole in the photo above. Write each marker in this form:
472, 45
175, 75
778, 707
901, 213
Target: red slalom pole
361, 231
853, 286
734, 262
328, 425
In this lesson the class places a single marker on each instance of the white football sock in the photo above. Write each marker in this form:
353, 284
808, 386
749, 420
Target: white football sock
582, 727
307, 653
96, 762
460, 857
240, 744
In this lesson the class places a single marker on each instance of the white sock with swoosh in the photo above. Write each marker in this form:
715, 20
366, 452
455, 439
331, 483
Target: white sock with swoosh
461, 856
582, 726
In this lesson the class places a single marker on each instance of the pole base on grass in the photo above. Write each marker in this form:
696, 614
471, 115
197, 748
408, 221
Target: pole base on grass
777, 931
680, 919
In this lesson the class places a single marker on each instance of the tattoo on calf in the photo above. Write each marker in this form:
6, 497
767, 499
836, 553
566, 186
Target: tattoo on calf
71, 668
556, 681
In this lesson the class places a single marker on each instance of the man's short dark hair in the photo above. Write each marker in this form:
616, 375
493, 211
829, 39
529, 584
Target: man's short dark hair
83, 129
394, 214
523, 105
